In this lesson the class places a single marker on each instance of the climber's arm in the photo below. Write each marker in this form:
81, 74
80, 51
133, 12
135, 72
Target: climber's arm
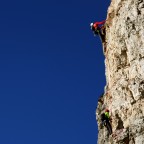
102, 22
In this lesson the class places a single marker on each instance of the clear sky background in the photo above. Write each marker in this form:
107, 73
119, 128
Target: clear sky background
51, 71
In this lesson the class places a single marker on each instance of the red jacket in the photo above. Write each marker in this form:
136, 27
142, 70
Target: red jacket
96, 24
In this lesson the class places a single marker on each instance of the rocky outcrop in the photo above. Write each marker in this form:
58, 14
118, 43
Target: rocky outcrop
124, 61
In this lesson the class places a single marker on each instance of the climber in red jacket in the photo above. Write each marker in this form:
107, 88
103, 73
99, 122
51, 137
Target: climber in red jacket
98, 29
96, 25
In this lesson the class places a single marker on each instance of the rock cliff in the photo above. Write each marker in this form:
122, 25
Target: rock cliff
124, 61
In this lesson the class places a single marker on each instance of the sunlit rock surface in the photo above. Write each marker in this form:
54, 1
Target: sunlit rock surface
124, 92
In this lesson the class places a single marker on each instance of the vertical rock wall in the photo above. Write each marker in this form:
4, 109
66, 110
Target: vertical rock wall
124, 60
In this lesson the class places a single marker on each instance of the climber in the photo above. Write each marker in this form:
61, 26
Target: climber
105, 118
98, 29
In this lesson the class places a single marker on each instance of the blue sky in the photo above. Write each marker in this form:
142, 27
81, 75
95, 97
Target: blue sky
51, 71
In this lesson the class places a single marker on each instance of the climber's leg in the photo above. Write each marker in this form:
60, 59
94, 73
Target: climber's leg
109, 127
102, 36
103, 29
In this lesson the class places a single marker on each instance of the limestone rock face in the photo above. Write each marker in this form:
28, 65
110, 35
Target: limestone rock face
124, 61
